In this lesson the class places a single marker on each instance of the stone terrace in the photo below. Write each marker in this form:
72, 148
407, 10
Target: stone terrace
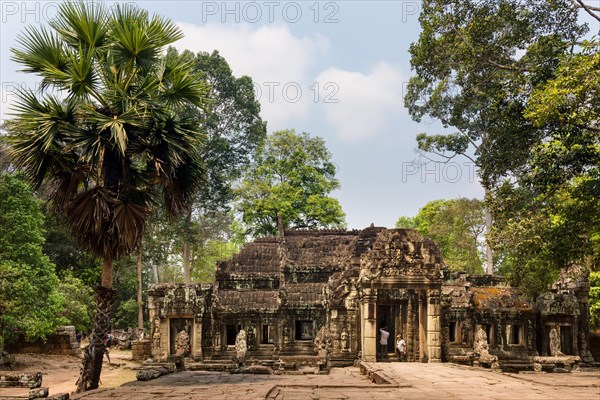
410, 381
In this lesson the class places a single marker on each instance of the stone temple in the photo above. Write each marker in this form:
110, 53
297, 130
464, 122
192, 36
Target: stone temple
321, 297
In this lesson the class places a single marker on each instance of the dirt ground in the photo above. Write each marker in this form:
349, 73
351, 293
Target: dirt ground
60, 373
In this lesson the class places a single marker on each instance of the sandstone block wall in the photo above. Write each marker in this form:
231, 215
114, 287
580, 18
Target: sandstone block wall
62, 342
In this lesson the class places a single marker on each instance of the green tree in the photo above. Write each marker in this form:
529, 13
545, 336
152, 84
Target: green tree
205, 261
126, 314
475, 62
457, 226
404, 222
78, 307
29, 302
115, 139
234, 129
288, 186
548, 215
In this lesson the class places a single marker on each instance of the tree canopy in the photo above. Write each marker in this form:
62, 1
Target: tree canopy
548, 216
475, 63
514, 82
291, 177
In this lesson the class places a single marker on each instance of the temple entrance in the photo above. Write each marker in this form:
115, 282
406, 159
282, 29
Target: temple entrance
406, 312
177, 325
387, 316
566, 340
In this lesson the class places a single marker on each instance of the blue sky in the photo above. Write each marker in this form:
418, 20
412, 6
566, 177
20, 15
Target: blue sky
335, 69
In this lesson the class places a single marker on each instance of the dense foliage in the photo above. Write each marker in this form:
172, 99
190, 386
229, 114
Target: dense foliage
518, 85
29, 301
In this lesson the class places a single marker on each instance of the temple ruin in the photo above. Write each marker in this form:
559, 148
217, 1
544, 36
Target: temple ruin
324, 295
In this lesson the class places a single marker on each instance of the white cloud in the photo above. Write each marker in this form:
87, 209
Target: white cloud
368, 103
271, 55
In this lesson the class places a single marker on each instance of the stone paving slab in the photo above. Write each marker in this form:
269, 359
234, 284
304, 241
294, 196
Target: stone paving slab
411, 381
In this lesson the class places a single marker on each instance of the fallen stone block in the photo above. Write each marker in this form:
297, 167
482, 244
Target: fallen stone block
39, 392
148, 374
31, 381
60, 396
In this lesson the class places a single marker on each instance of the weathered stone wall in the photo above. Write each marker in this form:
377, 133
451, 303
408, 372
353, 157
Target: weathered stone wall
141, 350
62, 342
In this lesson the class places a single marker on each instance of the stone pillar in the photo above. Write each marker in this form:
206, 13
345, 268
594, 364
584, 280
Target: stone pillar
422, 325
165, 338
410, 344
368, 310
399, 323
434, 334
575, 336
197, 339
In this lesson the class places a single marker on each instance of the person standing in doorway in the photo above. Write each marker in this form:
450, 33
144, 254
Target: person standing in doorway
383, 342
400, 348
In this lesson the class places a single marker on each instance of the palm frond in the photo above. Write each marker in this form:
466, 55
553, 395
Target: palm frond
82, 79
129, 222
42, 53
163, 31
82, 24
38, 137
181, 182
117, 125
180, 86
133, 46
89, 216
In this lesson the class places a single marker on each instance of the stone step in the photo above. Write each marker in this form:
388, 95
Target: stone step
214, 361
208, 366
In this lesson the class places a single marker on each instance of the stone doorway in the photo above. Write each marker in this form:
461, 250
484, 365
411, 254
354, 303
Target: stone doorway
387, 315
177, 325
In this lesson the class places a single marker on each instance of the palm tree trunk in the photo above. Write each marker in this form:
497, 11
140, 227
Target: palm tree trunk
139, 293
105, 297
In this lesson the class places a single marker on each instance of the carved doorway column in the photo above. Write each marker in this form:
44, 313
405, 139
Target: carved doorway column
410, 337
422, 324
434, 336
368, 332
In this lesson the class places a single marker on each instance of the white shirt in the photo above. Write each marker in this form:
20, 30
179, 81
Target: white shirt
401, 345
384, 336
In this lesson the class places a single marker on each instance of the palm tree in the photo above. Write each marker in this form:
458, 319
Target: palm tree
107, 133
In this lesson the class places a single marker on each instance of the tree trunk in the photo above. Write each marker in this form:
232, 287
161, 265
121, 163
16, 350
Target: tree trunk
105, 297
187, 271
489, 257
155, 273
280, 228
139, 294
